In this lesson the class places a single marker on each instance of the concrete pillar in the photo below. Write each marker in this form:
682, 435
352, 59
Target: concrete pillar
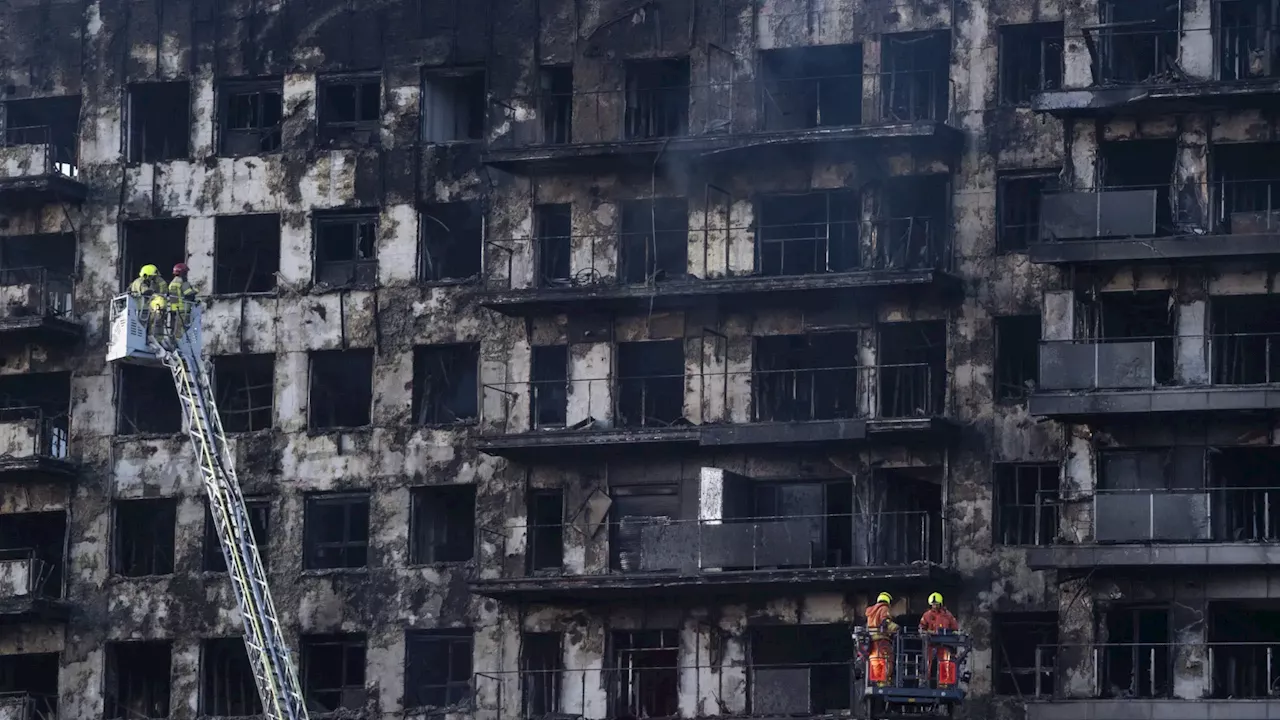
1191, 355
1058, 315
1196, 54
590, 383
1190, 656
1191, 172
1076, 657
867, 375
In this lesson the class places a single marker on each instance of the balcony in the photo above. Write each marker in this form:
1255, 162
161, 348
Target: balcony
37, 169
592, 130
35, 307
28, 706
33, 447
28, 589
1134, 224
663, 556
1156, 681
811, 407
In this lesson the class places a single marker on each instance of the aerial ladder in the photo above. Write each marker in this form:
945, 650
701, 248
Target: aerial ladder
143, 336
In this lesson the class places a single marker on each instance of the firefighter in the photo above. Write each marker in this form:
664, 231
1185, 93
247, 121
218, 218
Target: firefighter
147, 283
882, 628
937, 620
181, 295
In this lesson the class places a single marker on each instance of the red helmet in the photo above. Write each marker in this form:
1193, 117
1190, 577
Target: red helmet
180, 269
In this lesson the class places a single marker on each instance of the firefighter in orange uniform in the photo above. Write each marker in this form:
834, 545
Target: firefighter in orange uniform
882, 628
938, 619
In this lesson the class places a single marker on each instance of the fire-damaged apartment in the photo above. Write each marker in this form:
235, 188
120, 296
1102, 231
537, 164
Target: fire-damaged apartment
605, 359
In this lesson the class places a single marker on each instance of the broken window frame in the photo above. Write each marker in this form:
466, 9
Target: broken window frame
1034, 626
259, 509
442, 524
553, 247
641, 391
1020, 80
903, 95
349, 645
543, 535
1022, 521
1238, 44
361, 268
119, 703
138, 148
655, 107
1019, 212
541, 672
452, 689
555, 101
653, 229
1017, 371
436, 238
803, 89
352, 552
836, 238
629, 651
549, 398
464, 120
269, 135
224, 661
801, 378
333, 132
156, 241
1106, 39
61, 137
320, 387
248, 242
33, 678
436, 404
237, 401
130, 533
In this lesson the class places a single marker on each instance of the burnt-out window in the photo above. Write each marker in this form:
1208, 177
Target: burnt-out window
34, 678
159, 121
819, 653
452, 241
556, 102
259, 522
51, 121
541, 671
346, 247
251, 115
245, 389
1024, 648
337, 531
654, 240
657, 98
1245, 339
1017, 356
246, 253
549, 385
446, 384
650, 383
41, 401
810, 233
1030, 61
1018, 198
546, 530
341, 389
42, 537
443, 524
161, 242
148, 403
811, 87
1245, 191
144, 542
350, 109
333, 672
913, 369
912, 223
634, 507
437, 667
554, 247
1026, 503
1246, 39
644, 675
915, 79
453, 106
797, 378
138, 677
1146, 316
1138, 42
227, 688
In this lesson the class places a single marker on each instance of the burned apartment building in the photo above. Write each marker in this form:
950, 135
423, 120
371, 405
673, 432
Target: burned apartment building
605, 359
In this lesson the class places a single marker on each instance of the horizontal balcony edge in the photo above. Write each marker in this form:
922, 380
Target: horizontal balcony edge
1199, 399
1125, 555
1152, 709
1177, 247
1150, 98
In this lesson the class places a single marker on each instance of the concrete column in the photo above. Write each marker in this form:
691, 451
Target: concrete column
1083, 148
1191, 355
1196, 54
867, 377
1191, 679
591, 383
1191, 172
1058, 315
1077, 63
1079, 480
1076, 656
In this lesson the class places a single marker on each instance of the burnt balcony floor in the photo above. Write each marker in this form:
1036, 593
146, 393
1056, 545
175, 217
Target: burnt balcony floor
1158, 249
1129, 99
46, 330
1086, 557
34, 190
1153, 709
1071, 404
36, 469
33, 608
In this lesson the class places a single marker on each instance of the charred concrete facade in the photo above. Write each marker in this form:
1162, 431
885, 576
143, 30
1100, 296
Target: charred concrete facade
607, 358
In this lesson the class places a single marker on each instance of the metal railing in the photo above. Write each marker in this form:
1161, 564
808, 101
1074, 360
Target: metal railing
729, 107
54, 158
885, 392
28, 706
27, 432
640, 686
1211, 670
1148, 362
1215, 514
1146, 54
49, 294
23, 574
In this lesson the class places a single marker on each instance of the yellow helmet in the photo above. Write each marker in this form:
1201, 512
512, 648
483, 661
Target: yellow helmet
935, 598
148, 271
885, 598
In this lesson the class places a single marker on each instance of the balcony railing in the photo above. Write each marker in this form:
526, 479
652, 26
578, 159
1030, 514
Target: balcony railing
40, 154
1149, 362
731, 107
1224, 515
27, 432
1144, 54
1134, 671
28, 706
642, 686
882, 392
23, 575
35, 292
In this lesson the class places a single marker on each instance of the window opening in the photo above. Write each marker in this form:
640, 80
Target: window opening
809, 234
333, 673
1026, 503
159, 121
913, 369
1018, 199
541, 672
228, 688
453, 106
657, 98
252, 113
350, 109
546, 534
554, 244
452, 241
1030, 61
346, 247
138, 679
556, 100
915, 84
650, 385
259, 522
645, 677
1017, 356
1024, 649
337, 531
654, 240
443, 524
550, 385
438, 668
246, 253
811, 87
144, 533
341, 389
445, 384
798, 378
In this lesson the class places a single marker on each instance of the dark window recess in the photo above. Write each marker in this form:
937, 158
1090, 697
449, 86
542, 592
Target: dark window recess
1136, 662
34, 675
137, 680
246, 252
227, 688
1024, 648
554, 244
1144, 316
1246, 339
148, 403
1018, 201
54, 252
811, 87
453, 107
1244, 635
1245, 502
797, 378
809, 234
437, 668
144, 543
550, 385
41, 536
654, 240
333, 672
541, 671
251, 116
51, 121
1145, 165
821, 652
915, 81
913, 372
341, 389
443, 524
650, 384
633, 508
259, 521
546, 530
245, 388
1245, 195
159, 121
346, 247
1158, 469
1017, 356
162, 243
912, 224
644, 678
824, 512
337, 531
1026, 504
452, 241
350, 109
1030, 61
556, 102
657, 98
1138, 43
1246, 41
445, 384
47, 396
